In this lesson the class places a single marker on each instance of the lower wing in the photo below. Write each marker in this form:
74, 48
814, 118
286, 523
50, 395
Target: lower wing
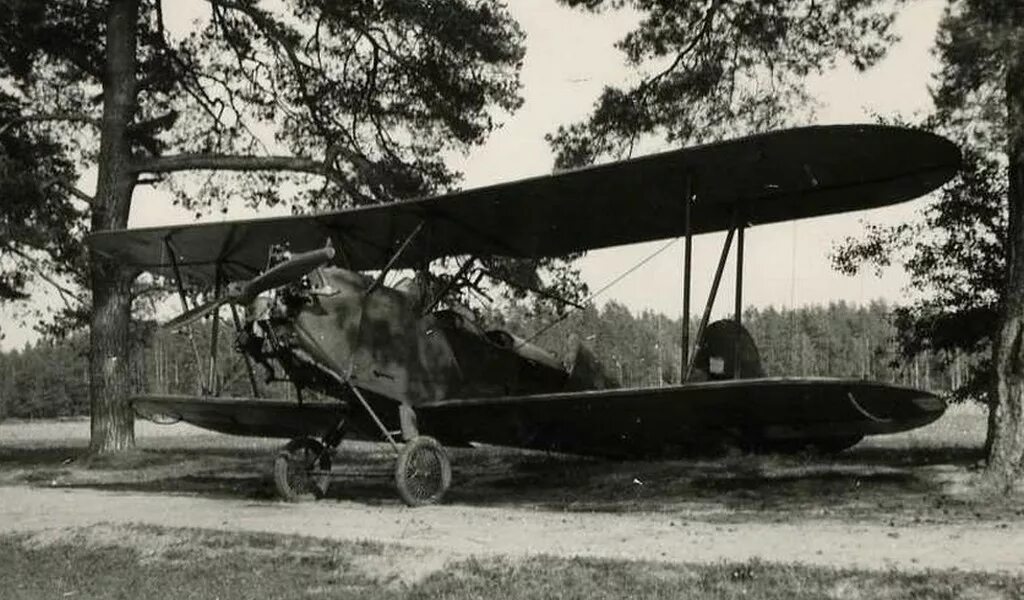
255, 417
603, 422
652, 420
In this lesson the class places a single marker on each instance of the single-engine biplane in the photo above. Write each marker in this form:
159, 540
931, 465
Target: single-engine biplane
406, 368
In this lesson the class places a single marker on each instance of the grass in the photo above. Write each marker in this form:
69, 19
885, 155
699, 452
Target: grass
914, 477
157, 563
206, 566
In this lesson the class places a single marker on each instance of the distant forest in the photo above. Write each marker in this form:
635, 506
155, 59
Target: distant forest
50, 378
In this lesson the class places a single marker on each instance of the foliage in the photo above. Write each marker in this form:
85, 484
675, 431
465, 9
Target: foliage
44, 380
955, 258
36, 210
377, 90
370, 96
837, 340
721, 67
975, 41
841, 340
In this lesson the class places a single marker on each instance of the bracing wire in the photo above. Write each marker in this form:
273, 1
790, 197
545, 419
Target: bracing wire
604, 288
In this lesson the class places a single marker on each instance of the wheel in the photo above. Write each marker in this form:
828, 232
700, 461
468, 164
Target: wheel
298, 475
422, 472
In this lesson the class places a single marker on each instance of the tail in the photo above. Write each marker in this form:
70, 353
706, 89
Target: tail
725, 342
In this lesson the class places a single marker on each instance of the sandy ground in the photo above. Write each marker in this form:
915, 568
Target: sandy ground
454, 531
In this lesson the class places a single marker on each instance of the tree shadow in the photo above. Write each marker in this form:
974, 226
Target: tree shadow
862, 483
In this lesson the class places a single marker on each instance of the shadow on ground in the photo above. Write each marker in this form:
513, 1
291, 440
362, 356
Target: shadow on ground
874, 480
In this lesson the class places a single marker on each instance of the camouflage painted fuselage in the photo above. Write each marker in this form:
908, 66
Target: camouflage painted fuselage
383, 343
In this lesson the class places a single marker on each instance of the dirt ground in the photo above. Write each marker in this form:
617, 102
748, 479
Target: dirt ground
897, 502
452, 531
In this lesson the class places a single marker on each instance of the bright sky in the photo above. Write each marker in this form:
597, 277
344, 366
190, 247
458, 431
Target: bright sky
569, 58
785, 264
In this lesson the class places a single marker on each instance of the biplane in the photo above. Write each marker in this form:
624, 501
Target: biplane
308, 298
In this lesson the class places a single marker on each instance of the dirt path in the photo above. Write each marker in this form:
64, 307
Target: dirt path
454, 531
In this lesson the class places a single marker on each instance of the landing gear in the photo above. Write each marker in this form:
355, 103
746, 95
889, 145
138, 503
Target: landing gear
422, 471
302, 470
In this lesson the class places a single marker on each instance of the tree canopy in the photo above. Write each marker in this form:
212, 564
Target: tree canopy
956, 256
340, 103
49, 379
721, 67
727, 66
38, 217
955, 259
965, 259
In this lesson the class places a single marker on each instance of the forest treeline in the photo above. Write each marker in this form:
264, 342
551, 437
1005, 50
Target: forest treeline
49, 378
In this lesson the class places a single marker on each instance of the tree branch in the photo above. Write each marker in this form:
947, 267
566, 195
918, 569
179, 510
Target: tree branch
69, 187
62, 291
226, 162
705, 31
77, 193
153, 290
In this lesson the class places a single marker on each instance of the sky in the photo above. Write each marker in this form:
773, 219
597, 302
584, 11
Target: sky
785, 264
569, 58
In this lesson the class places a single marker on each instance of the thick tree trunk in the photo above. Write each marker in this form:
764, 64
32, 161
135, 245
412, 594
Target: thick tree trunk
113, 423
1006, 417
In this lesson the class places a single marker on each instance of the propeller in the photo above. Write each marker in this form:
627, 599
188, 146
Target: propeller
243, 293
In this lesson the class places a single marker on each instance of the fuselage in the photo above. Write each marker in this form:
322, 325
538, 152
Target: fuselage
383, 340
337, 328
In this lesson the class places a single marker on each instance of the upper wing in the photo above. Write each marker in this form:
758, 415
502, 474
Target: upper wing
638, 421
769, 177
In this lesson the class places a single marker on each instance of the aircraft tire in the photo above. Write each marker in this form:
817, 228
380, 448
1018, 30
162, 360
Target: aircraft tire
423, 471
292, 478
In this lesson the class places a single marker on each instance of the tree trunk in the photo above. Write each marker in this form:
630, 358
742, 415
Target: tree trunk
113, 422
1006, 413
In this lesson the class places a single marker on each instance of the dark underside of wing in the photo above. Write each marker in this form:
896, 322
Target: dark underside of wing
765, 178
683, 418
625, 422
256, 417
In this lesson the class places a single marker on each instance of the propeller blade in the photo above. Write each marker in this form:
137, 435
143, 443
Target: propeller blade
282, 274
194, 314
285, 273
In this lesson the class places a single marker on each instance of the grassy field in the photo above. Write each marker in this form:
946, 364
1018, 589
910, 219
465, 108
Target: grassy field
156, 563
914, 477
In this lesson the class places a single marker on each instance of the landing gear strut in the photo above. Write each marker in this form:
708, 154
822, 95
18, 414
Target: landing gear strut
423, 471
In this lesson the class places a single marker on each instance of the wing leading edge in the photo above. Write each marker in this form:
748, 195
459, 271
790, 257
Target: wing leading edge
769, 177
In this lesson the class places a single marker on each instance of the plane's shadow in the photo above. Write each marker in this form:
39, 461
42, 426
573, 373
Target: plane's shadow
905, 482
